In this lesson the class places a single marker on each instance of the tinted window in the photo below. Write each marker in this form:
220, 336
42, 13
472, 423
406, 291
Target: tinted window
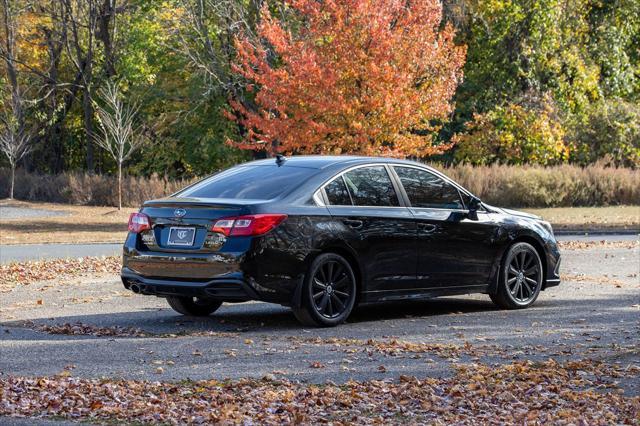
337, 193
249, 182
425, 189
371, 186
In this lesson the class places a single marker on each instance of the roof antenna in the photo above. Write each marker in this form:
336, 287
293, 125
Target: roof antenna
280, 159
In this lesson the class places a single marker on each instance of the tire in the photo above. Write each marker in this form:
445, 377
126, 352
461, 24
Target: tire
328, 292
192, 306
521, 278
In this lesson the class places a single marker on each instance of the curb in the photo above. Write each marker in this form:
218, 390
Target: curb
586, 232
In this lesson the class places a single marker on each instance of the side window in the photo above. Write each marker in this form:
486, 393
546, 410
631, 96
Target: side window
337, 193
425, 189
371, 186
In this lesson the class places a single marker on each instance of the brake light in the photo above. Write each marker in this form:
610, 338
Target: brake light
250, 225
139, 222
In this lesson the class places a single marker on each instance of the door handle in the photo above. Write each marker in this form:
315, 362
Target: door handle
426, 227
354, 224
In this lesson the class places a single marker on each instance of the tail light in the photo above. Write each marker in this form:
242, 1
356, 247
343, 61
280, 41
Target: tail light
251, 225
139, 222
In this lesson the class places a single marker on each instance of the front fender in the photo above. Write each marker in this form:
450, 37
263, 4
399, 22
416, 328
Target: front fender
540, 238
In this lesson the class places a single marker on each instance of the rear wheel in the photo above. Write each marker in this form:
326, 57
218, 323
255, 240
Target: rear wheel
193, 306
328, 293
520, 279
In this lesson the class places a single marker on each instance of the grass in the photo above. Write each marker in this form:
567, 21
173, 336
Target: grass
80, 224
88, 224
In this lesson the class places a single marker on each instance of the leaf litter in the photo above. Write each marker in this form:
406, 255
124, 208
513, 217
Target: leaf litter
576, 392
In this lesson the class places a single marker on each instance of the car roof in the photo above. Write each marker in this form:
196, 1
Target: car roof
324, 161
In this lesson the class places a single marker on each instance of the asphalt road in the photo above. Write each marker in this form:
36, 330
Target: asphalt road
22, 252
11, 212
596, 313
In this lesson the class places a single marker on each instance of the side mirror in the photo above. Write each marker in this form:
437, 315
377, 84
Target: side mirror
474, 204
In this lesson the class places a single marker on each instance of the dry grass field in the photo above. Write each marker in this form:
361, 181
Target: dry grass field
596, 218
75, 224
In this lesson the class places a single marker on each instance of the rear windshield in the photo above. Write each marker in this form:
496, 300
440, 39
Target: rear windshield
249, 183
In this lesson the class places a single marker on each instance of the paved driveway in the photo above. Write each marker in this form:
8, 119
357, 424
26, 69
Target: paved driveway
595, 313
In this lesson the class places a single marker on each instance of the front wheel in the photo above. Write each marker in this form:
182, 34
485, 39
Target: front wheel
328, 293
193, 306
520, 279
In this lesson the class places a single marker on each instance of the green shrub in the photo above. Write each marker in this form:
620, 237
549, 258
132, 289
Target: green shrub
513, 134
612, 130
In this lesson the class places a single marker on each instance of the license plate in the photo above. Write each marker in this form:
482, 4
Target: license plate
181, 236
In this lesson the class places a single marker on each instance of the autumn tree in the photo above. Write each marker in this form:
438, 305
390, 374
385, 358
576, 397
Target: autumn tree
349, 76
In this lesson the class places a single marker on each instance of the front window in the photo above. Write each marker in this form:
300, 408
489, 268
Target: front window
428, 190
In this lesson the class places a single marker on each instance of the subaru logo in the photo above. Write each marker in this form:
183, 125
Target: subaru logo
179, 212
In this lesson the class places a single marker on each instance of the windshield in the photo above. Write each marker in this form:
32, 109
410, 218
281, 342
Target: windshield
263, 182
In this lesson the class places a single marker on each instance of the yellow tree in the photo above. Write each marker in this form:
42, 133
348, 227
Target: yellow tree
349, 76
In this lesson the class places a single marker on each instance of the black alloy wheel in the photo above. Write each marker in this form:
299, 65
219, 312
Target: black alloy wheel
521, 278
329, 292
193, 306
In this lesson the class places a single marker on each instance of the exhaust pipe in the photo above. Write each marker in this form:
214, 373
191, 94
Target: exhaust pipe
135, 288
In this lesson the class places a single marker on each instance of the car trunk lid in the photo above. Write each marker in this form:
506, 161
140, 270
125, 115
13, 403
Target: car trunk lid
184, 224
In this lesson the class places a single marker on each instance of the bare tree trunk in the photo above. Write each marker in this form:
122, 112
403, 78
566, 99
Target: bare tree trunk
9, 58
106, 14
119, 185
83, 61
88, 127
13, 180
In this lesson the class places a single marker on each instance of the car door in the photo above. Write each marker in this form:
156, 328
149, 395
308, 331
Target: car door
365, 202
455, 249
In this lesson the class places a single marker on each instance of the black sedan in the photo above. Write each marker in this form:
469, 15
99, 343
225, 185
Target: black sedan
323, 234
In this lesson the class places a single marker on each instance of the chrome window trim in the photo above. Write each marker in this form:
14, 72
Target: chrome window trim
465, 211
442, 209
317, 197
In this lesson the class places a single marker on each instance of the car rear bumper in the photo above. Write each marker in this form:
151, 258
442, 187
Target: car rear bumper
234, 276
231, 288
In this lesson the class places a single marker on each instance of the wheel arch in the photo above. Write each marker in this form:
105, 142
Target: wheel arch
536, 244
350, 256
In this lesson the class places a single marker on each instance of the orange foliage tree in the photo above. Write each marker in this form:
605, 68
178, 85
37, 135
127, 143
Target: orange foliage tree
349, 76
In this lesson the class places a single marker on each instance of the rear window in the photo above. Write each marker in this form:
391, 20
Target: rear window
337, 193
371, 186
364, 186
249, 183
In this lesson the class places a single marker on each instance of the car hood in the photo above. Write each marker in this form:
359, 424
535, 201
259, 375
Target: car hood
516, 213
